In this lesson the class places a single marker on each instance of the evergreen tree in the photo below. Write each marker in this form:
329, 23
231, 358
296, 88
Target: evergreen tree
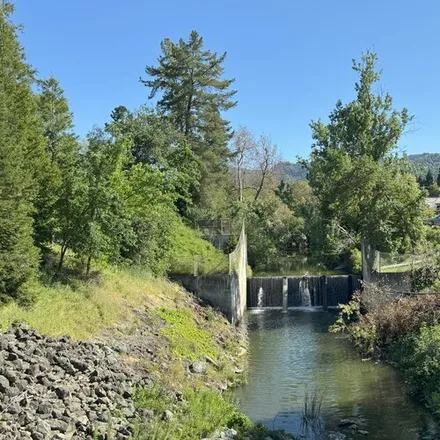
21, 159
438, 179
193, 95
429, 179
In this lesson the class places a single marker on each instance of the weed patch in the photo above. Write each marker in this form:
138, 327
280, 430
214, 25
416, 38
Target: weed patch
187, 340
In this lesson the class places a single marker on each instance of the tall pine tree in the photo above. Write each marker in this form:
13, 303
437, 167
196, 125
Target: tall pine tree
21, 158
193, 95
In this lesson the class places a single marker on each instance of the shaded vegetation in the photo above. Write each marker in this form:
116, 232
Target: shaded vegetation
405, 332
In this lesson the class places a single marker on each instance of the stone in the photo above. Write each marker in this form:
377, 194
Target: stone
58, 425
198, 367
4, 384
336, 436
63, 391
43, 428
167, 415
346, 422
146, 413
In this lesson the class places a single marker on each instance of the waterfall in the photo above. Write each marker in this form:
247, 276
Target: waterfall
304, 293
260, 298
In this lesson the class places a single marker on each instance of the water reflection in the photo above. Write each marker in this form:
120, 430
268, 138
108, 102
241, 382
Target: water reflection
293, 352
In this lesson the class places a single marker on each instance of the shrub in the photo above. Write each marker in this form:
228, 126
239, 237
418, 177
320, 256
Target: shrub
418, 354
424, 277
355, 261
375, 319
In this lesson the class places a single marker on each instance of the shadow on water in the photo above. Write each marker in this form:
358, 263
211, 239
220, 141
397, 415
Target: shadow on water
293, 352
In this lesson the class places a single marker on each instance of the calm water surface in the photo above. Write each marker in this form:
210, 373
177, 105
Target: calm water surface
293, 352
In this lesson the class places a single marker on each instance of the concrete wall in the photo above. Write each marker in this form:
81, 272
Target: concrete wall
398, 282
220, 291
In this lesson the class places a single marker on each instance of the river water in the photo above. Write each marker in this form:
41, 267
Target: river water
293, 353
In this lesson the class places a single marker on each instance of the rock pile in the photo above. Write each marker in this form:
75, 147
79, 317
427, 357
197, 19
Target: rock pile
56, 388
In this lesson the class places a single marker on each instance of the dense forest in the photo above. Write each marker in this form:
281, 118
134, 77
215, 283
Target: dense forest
130, 192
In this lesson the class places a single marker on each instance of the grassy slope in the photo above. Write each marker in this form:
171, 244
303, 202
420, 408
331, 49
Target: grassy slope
84, 309
188, 246
81, 311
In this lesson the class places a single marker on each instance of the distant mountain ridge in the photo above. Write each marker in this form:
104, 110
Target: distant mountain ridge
421, 163
424, 162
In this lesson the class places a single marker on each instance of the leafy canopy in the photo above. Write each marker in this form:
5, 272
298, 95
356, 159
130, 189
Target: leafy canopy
359, 181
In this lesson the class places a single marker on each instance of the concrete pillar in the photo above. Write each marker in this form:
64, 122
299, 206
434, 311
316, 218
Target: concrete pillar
284, 294
350, 287
324, 292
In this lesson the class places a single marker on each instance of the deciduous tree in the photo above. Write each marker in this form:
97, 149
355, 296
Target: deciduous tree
359, 182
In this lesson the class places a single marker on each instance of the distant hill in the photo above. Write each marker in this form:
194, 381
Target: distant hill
424, 162
420, 162
290, 171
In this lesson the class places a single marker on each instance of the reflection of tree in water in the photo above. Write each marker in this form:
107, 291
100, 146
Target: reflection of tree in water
375, 392
294, 351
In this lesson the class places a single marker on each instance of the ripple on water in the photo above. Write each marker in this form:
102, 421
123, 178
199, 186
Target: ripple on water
293, 352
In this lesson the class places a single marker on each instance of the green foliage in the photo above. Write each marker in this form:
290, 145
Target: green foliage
193, 95
152, 397
429, 179
424, 277
418, 354
347, 314
202, 412
355, 261
359, 182
189, 249
21, 163
187, 340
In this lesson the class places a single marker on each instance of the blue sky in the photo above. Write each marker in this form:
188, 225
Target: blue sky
291, 59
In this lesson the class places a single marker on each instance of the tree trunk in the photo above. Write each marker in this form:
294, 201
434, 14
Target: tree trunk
63, 253
260, 187
89, 262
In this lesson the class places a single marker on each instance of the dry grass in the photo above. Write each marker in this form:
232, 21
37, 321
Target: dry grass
93, 306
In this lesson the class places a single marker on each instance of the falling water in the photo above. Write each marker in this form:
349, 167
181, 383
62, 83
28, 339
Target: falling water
260, 298
304, 293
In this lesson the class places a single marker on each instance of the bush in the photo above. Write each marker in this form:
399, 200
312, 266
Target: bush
376, 320
355, 261
418, 354
424, 277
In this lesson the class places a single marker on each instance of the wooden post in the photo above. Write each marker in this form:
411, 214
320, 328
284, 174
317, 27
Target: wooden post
324, 292
284, 295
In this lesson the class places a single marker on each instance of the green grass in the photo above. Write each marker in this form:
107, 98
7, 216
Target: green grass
187, 340
189, 247
84, 309
202, 412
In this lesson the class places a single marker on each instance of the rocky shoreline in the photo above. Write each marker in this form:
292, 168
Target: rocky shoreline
56, 388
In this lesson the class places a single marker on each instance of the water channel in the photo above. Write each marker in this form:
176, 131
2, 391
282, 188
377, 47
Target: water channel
293, 353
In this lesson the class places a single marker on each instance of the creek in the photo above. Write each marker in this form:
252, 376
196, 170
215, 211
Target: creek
293, 354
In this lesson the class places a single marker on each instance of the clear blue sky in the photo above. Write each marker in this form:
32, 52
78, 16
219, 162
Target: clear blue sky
291, 59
